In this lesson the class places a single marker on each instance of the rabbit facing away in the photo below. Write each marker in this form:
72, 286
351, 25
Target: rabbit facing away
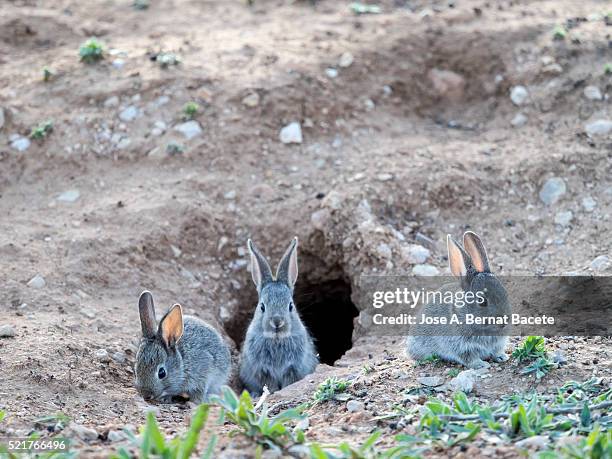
278, 349
183, 357
466, 344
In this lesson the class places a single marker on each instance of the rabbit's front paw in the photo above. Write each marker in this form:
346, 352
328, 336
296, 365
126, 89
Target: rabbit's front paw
477, 363
501, 358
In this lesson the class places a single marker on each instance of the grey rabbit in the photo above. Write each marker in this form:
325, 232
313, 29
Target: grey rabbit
278, 349
466, 344
183, 357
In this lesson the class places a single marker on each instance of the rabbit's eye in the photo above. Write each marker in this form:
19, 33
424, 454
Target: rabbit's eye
161, 373
263, 307
291, 306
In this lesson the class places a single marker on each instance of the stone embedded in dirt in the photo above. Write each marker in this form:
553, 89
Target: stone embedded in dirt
89, 313
415, 254
552, 190
592, 93
519, 120
464, 381
37, 282
7, 331
84, 433
251, 100
559, 358
447, 83
425, 270
354, 406
564, 218
119, 357
2, 119
175, 251
331, 72
20, 143
292, 133
320, 218
116, 436
384, 251
600, 263
431, 381
102, 355
598, 128
118, 63
588, 204
384, 177
112, 101
536, 442
189, 129
519, 95
69, 196
159, 128
230, 195
346, 60
129, 113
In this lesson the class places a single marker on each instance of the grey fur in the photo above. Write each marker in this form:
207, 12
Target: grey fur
277, 350
196, 366
467, 344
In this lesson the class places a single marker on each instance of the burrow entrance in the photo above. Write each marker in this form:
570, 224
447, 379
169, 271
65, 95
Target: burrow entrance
325, 307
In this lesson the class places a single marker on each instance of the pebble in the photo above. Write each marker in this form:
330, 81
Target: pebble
69, 196
102, 355
415, 254
431, 381
2, 119
564, 218
292, 133
129, 113
593, 93
598, 127
464, 381
320, 218
175, 251
116, 436
425, 270
384, 177
535, 442
589, 204
118, 63
112, 101
251, 100
346, 60
447, 83
20, 143
384, 251
231, 194
189, 129
519, 95
519, 120
354, 406
89, 313
7, 331
552, 190
159, 128
37, 282
600, 263
559, 358
331, 72
84, 433
118, 357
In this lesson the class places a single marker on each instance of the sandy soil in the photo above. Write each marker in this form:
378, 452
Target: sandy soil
393, 149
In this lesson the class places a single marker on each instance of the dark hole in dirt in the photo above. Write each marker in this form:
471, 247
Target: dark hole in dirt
328, 312
325, 308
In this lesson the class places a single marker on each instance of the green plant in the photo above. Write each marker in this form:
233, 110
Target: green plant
165, 60
329, 389
453, 372
271, 432
174, 149
532, 348
47, 74
608, 68
530, 421
597, 445
540, 367
367, 369
91, 51
152, 441
430, 359
362, 8
190, 110
559, 32
42, 130
141, 4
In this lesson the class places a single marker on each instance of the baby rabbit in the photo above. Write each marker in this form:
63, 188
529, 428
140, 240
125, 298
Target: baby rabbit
182, 358
277, 350
466, 344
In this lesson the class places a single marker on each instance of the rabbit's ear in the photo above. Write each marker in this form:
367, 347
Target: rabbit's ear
147, 314
287, 270
171, 326
260, 269
458, 259
476, 249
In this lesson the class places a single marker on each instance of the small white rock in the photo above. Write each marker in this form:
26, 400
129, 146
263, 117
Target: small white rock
331, 72
536, 442
464, 381
593, 93
69, 196
118, 63
320, 218
84, 433
564, 218
599, 127
415, 254
384, 177
431, 381
118, 357
20, 143
112, 101
2, 120
292, 133
425, 270
519, 120
189, 129
354, 406
7, 331
589, 204
129, 113
251, 100
552, 190
175, 251
384, 251
346, 59
102, 355
116, 436
519, 95
37, 282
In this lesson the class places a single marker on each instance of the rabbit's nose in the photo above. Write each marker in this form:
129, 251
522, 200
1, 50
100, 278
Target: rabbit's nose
277, 322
